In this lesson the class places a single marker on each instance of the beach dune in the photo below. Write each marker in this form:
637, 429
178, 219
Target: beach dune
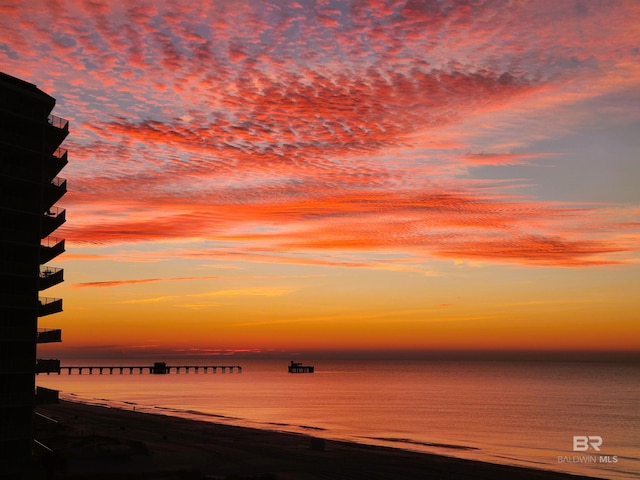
97, 442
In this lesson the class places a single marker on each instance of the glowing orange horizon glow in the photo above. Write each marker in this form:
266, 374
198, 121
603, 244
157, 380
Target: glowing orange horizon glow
344, 175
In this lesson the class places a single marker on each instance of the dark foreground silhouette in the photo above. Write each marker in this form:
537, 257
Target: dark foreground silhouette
96, 443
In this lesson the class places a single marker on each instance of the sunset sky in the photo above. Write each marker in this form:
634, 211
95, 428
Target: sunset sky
296, 176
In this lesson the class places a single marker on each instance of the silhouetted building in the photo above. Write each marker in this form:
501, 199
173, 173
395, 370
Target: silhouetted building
30, 160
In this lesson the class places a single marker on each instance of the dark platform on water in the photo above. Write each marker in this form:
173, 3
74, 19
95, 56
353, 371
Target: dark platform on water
300, 368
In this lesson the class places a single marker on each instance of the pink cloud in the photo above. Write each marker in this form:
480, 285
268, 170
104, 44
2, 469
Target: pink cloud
501, 158
207, 120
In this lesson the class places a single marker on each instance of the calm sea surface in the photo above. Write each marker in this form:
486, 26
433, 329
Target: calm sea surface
519, 413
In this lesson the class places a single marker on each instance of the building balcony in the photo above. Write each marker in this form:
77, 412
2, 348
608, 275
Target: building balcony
50, 276
46, 396
49, 306
57, 131
53, 219
53, 191
59, 123
49, 335
55, 163
47, 366
50, 248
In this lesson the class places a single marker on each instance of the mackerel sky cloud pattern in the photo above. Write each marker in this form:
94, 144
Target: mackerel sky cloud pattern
431, 129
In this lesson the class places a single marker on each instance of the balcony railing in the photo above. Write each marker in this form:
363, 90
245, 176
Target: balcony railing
56, 133
47, 366
50, 276
46, 396
53, 218
54, 191
58, 122
49, 306
56, 162
49, 335
59, 182
51, 242
50, 248
55, 212
60, 153
48, 272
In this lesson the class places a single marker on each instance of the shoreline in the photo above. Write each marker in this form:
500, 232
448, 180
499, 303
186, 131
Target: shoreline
100, 442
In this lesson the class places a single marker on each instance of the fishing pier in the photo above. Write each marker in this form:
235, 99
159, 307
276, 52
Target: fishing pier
158, 368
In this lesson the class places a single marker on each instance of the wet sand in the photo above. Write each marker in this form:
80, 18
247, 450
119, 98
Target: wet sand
95, 442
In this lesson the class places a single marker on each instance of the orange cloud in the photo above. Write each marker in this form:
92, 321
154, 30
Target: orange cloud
500, 158
287, 127
422, 225
117, 283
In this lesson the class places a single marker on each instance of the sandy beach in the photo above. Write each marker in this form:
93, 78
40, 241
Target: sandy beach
95, 442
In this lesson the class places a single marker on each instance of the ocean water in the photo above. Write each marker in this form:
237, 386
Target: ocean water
517, 413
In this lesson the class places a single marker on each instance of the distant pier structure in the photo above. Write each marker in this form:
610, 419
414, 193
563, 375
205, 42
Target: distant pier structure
295, 367
158, 368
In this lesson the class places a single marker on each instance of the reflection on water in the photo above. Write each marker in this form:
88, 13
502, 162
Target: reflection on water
523, 413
